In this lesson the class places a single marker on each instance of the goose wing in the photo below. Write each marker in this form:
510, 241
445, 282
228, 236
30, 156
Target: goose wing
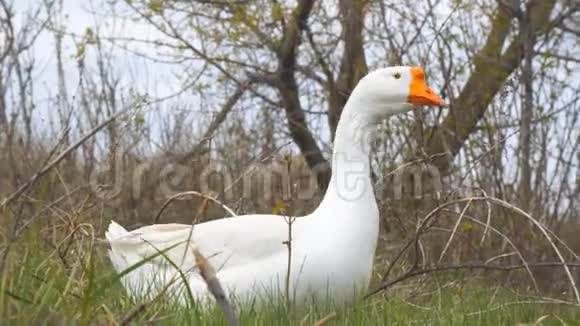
227, 243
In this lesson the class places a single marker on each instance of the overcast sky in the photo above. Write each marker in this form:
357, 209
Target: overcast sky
156, 79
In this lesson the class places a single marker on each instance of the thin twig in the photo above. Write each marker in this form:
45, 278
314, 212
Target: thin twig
427, 221
192, 193
502, 203
325, 319
503, 305
38, 175
507, 268
289, 220
455, 227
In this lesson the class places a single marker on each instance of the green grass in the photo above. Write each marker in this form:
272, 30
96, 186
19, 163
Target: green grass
78, 286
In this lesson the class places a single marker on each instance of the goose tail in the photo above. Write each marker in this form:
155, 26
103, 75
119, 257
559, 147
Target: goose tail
115, 231
121, 258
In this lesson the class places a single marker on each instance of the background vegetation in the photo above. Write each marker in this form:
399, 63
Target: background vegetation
89, 131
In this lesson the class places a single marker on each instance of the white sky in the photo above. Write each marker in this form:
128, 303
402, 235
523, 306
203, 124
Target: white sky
76, 16
137, 75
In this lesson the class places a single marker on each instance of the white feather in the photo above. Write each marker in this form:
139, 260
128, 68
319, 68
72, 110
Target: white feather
332, 248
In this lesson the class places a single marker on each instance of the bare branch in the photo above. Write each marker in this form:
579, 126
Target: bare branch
38, 175
192, 193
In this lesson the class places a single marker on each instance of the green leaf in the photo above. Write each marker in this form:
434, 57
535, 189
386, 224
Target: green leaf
155, 6
279, 207
277, 11
90, 36
81, 50
139, 120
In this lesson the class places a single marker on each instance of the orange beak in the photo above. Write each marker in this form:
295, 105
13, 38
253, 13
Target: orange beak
419, 92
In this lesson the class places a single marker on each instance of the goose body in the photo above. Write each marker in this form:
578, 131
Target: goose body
332, 249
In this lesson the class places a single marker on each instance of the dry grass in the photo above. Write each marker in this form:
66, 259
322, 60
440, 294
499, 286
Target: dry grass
59, 271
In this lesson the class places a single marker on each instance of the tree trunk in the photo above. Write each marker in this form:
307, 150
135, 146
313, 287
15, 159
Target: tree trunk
527, 110
490, 72
288, 89
353, 64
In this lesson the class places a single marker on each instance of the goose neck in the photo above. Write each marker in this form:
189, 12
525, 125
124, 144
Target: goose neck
350, 183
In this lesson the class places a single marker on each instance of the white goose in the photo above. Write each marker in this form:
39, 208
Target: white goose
332, 248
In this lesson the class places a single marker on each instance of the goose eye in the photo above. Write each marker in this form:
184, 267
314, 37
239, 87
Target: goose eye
397, 75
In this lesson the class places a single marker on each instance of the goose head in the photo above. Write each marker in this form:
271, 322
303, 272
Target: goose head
393, 90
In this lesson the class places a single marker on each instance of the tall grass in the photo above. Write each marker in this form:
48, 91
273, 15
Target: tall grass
73, 283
